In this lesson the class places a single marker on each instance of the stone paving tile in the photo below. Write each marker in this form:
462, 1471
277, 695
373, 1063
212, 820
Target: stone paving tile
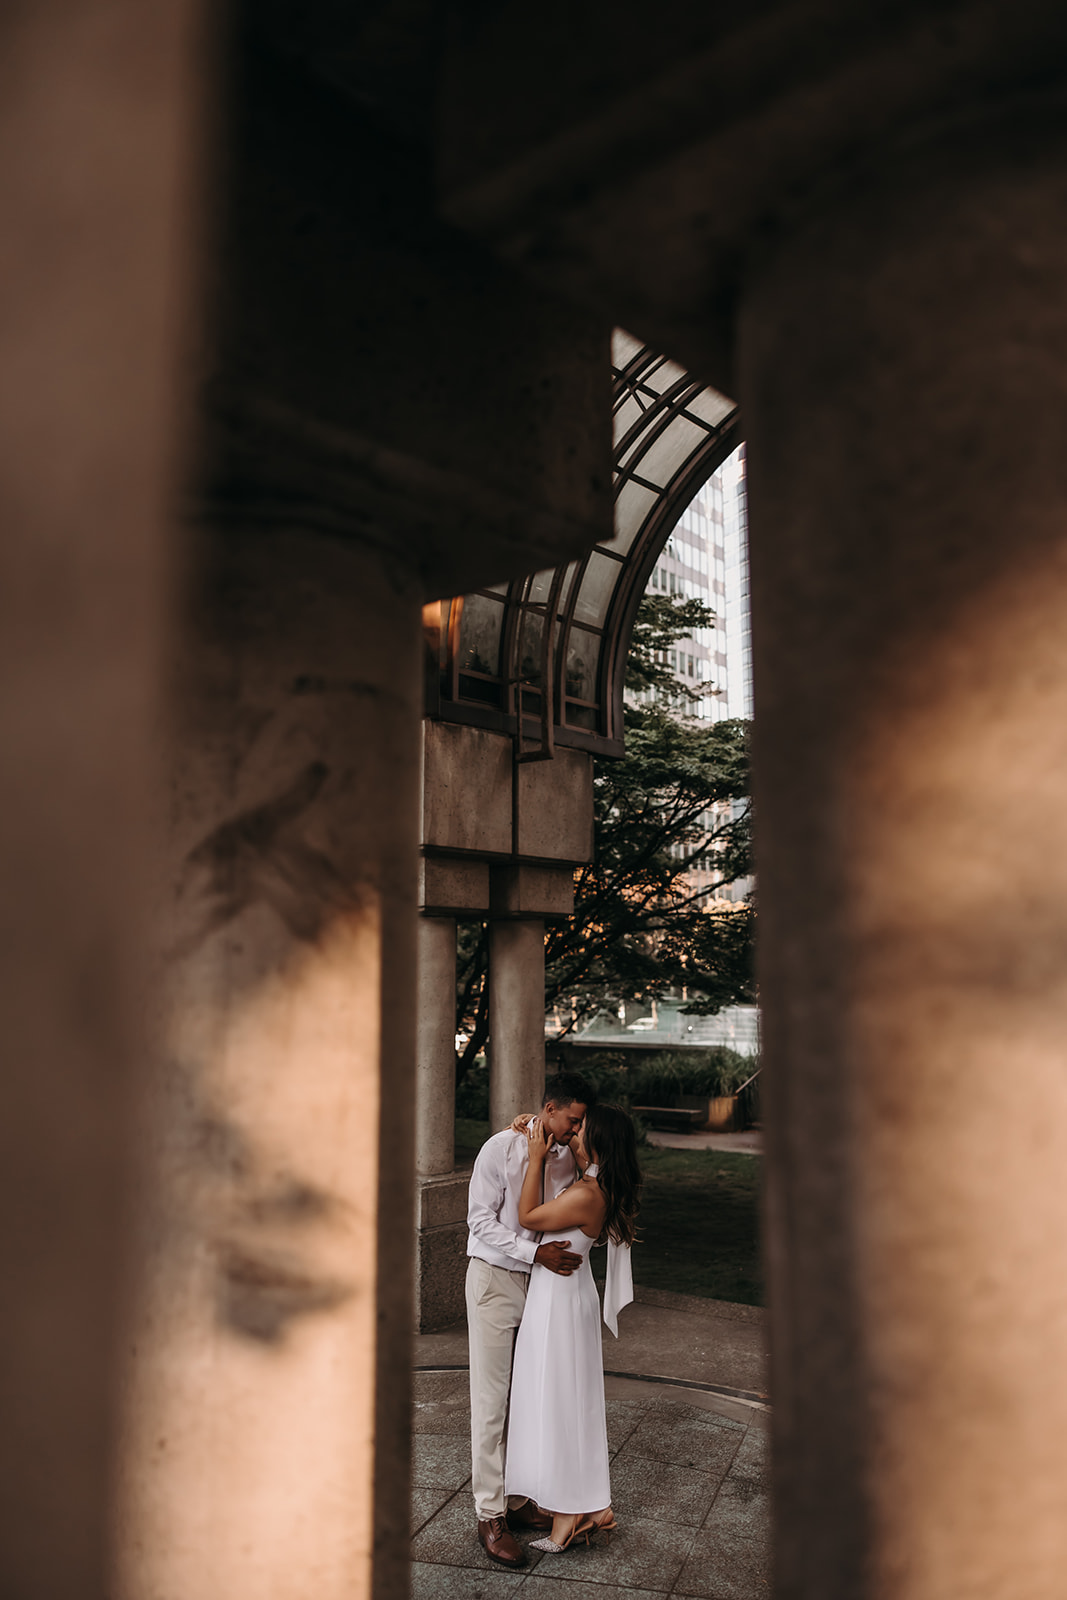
623, 1417
672, 1460
447, 1417
655, 1489
441, 1386
425, 1503
731, 1558
750, 1471
451, 1540
540, 1588
459, 1583
756, 1445
684, 1437
440, 1463
642, 1555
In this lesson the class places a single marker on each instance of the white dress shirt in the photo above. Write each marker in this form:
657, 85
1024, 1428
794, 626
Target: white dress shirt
493, 1207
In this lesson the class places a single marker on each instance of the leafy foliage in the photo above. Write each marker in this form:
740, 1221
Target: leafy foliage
472, 1093
660, 622
678, 800
715, 1071
653, 1078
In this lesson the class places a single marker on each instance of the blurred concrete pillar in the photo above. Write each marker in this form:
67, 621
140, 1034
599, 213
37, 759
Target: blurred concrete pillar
903, 352
435, 1073
270, 1347
386, 415
95, 122
516, 1018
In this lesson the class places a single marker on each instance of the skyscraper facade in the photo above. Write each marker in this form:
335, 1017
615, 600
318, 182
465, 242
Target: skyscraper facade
737, 617
706, 558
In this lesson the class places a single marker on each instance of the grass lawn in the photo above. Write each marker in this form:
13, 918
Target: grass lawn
699, 1224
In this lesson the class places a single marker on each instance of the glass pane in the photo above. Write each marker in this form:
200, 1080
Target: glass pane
583, 656
711, 405
479, 689
530, 647
679, 441
662, 375
564, 593
598, 586
623, 347
581, 716
632, 506
540, 584
626, 415
479, 644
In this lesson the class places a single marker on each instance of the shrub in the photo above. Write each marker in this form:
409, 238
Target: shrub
472, 1094
640, 1128
606, 1072
714, 1072
653, 1080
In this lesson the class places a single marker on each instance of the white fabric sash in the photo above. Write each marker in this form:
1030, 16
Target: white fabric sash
619, 1282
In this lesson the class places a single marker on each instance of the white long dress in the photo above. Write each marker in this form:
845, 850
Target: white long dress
557, 1433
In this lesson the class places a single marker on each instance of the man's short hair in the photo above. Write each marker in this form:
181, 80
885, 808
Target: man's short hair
565, 1088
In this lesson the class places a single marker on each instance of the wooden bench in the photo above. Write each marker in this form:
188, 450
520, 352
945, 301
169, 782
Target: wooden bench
686, 1119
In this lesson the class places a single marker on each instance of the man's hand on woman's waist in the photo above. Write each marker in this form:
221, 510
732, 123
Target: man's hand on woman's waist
558, 1257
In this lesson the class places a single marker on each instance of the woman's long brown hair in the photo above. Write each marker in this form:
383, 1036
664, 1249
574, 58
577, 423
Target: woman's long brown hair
612, 1144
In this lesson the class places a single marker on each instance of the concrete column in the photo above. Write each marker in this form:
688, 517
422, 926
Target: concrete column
516, 1018
435, 1051
441, 1201
903, 359
266, 1401
94, 123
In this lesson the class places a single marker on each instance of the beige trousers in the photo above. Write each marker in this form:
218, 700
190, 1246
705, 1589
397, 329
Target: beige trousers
495, 1301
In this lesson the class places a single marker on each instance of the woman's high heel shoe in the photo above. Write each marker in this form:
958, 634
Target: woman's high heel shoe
604, 1523
584, 1527
549, 1545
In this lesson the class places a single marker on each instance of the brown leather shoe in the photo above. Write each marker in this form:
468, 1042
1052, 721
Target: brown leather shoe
530, 1515
499, 1544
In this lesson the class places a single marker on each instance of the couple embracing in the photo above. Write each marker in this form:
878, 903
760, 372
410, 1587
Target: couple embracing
542, 1193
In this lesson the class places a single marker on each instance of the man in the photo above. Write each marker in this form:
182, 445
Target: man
501, 1254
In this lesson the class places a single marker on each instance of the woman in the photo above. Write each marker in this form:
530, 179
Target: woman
557, 1433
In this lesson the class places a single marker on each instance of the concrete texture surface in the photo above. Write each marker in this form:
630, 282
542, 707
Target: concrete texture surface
748, 1143
689, 1466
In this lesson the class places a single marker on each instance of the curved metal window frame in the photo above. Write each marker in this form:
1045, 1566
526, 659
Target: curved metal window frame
538, 721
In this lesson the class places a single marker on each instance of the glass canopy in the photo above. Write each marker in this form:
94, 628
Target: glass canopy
543, 657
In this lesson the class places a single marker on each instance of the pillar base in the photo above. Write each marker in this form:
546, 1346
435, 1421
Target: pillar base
440, 1251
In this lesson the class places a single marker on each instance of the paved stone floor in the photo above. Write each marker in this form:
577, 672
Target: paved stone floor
690, 1495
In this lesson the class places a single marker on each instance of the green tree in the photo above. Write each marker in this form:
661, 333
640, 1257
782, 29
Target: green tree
677, 799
